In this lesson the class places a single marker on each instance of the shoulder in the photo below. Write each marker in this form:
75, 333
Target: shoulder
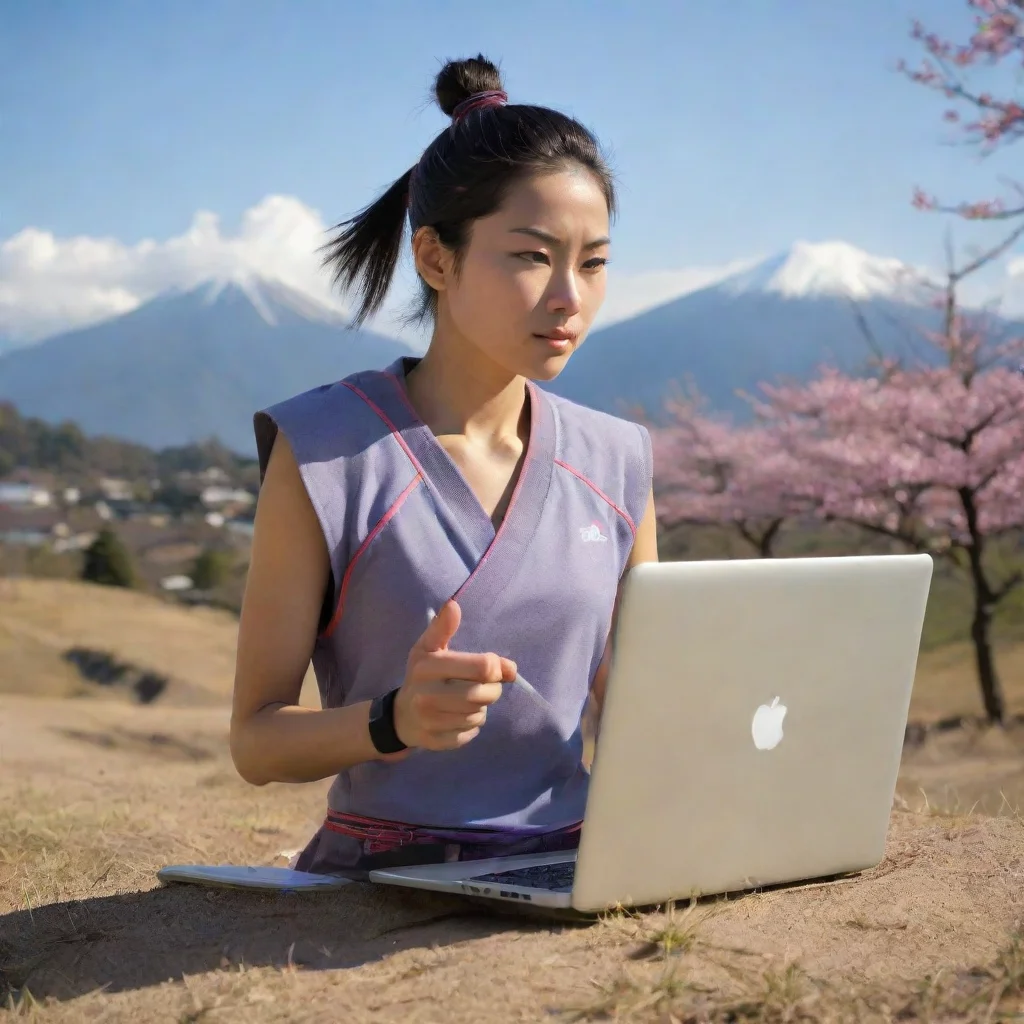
323, 424
586, 434
334, 432
608, 453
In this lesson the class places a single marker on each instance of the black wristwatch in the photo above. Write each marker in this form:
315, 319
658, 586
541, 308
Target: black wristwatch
382, 724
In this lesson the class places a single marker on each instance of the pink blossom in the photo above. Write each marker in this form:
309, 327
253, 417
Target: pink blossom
998, 34
923, 201
710, 472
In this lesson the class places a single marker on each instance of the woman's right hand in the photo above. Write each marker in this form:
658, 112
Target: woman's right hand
444, 698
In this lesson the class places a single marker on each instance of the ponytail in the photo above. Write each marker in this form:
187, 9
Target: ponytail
367, 247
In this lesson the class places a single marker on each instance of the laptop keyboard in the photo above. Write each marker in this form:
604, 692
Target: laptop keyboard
553, 877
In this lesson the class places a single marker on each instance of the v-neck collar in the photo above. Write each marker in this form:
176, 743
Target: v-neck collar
496, 548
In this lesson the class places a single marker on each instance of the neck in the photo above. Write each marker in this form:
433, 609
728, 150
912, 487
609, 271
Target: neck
456, 389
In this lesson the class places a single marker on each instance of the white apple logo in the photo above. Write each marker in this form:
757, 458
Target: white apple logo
767, 725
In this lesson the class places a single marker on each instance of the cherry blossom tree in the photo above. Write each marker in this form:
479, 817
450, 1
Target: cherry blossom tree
710, 472
961, 428
930, 456
990, 121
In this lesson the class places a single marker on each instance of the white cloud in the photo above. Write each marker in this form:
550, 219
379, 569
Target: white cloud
50, 284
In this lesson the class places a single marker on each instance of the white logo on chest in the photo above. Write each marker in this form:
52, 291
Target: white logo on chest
592, 533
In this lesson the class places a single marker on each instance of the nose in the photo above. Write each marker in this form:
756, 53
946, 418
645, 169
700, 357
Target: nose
563, 294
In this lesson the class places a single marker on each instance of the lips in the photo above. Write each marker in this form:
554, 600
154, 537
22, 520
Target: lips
558, 334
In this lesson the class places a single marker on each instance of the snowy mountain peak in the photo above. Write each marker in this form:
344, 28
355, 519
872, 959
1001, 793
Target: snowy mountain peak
828, 269
269, 298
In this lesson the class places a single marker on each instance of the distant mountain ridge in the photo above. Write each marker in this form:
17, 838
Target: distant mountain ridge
190, 365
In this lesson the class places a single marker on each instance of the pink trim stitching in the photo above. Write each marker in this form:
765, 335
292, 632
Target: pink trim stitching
597, 490
387, 422
384, 520
420, 476
530, 449
402, 393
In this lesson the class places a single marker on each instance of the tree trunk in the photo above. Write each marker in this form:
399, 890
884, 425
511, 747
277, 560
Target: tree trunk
766, 549
981, 623
764, 541
991, 689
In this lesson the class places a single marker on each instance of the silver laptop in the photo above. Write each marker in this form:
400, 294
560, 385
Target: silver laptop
751, 736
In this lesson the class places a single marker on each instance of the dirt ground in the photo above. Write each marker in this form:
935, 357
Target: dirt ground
97, 792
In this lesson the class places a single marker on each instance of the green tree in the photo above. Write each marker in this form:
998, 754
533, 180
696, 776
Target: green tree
107, 561
211, 569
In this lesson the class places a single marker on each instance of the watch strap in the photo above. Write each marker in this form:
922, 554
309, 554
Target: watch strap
382, 724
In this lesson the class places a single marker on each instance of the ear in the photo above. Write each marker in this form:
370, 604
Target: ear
434, 263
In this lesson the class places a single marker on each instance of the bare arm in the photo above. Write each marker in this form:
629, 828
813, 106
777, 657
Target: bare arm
272, 738
645, 549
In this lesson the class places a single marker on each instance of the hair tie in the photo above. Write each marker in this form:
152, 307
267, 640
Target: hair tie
479, 101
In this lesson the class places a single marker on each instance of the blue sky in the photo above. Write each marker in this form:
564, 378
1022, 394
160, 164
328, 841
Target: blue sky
734, 128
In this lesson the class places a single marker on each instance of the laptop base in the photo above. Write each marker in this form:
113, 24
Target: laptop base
464, 877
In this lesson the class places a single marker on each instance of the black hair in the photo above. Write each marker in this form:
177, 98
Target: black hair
463, 175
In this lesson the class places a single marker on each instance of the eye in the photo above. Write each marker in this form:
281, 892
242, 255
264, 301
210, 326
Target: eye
538, 258
596, 263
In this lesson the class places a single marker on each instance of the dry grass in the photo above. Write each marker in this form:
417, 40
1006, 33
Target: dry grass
96, 795
195, 645
41, 619
85, 936
679, 991
946, 683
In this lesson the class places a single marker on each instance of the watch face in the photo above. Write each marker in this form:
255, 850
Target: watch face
377, 709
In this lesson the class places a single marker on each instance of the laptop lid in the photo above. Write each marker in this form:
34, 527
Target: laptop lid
753, 725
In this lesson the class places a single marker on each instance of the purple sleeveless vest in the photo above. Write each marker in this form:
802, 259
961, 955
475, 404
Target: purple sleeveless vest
406, 533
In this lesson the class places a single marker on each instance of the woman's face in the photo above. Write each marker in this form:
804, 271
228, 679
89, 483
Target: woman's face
533, 274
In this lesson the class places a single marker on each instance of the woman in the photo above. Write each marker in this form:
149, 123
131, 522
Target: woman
445, 537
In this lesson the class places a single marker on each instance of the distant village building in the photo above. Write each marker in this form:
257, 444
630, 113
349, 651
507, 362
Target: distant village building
73, 542
214, 497
24, 495
28, 533
29, 528
32, 527
176, 583
114, 489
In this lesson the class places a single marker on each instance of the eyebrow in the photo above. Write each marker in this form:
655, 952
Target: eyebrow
546, 236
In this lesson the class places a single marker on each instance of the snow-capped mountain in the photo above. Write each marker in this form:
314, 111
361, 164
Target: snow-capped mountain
780, 317
830, 270
190, 365
805, 270
271, 299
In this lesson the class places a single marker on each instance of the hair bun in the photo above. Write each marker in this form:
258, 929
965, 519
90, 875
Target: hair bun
460, 79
